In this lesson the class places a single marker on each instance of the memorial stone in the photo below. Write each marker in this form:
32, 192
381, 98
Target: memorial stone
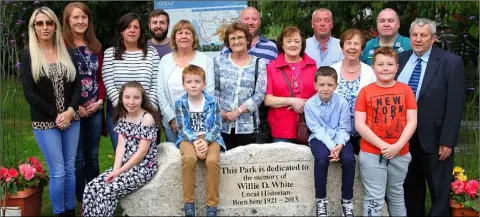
256, 180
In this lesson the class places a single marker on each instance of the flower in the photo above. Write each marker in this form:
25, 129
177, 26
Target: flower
36, 164
27, 171
457, 170
31, 175
457, 187
12, 41
463, 191
3, 172
462, 177
11, 175
17, 65
20, 22
471, 188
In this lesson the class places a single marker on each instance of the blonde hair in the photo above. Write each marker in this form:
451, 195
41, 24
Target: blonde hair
39, 63
180, 25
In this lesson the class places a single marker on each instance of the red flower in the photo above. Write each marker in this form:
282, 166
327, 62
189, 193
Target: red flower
457, 187
36, 164
3, 172
12, 173
471, 188
33, 160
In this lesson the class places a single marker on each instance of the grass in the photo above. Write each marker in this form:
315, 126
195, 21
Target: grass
16, 131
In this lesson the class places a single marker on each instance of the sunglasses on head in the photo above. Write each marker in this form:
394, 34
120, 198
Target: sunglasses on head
42, 23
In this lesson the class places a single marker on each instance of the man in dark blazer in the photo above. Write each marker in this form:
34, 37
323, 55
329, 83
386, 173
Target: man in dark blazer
438, 82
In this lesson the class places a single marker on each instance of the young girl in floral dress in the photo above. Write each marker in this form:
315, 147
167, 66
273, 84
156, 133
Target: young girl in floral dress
135, 160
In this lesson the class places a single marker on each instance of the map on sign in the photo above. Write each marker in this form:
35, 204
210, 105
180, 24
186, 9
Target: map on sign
209, 18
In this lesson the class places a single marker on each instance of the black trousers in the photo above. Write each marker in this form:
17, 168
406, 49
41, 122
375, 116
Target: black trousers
438, 176
233, 140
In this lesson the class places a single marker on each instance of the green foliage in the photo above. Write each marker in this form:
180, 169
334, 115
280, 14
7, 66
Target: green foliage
106, 15
460, 16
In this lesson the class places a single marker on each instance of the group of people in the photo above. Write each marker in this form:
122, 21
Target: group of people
395, 101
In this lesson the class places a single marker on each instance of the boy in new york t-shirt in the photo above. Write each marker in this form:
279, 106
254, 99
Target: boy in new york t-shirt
386, 118
198, 120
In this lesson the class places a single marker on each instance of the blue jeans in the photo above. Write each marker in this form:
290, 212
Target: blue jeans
86, 161
171, 136
110, 125
59, 149
322, 161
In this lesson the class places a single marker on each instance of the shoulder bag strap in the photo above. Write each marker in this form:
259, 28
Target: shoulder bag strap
288, 82
254, 114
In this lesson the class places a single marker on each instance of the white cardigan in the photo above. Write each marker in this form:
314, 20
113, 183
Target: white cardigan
366, 74
165, 69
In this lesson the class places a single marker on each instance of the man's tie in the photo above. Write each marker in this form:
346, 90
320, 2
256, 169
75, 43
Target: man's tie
415, 78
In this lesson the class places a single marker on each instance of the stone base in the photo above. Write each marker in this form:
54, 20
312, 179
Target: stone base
163, 195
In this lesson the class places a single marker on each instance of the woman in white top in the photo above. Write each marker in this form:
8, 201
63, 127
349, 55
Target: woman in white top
353, 75
184, 42
130, 59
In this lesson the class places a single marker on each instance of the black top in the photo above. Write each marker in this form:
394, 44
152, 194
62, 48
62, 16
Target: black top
44, 105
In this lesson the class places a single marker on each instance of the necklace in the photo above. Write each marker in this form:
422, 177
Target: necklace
350, 71
295, 72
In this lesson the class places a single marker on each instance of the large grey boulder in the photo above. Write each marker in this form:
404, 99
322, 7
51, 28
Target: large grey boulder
256, 180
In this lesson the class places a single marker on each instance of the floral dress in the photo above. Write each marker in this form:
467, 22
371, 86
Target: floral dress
100, 198
349, 90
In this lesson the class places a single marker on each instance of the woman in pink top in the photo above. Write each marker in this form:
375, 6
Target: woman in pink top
284, 109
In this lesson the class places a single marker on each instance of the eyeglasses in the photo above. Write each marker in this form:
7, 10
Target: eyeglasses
42, 23
238, 38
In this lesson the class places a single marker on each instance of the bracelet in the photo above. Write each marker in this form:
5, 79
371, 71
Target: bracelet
100, 102
239, 110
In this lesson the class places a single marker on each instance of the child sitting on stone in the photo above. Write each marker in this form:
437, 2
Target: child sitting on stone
199, 122
328, 117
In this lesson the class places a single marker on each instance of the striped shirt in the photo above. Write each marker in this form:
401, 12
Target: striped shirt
263, 48
133, 67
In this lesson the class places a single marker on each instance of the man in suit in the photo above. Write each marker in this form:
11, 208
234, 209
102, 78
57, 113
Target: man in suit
438, 82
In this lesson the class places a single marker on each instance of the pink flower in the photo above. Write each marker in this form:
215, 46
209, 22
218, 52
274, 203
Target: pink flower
471, 188
84, 94
457, 187
27, 171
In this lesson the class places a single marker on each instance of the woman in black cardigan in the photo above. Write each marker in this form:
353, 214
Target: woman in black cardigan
52, 88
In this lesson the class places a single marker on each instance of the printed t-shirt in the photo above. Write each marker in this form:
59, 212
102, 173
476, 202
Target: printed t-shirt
386, 109
196, 117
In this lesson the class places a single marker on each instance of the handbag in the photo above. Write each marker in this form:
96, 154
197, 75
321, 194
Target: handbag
257, 133
302, 132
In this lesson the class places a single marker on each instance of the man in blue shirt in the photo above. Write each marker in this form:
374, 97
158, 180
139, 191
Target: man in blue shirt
261, 47
328, 117
322, 47
387, 27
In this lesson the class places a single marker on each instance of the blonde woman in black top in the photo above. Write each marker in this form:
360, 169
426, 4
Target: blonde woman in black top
52, 89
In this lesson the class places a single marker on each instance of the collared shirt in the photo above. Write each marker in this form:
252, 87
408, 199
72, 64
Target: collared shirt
328, 57
263, 48
330, 121
212, 120
407, 71
401, 44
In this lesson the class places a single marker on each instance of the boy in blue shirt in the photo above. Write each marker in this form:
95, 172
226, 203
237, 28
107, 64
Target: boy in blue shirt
328, 118
199, 122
